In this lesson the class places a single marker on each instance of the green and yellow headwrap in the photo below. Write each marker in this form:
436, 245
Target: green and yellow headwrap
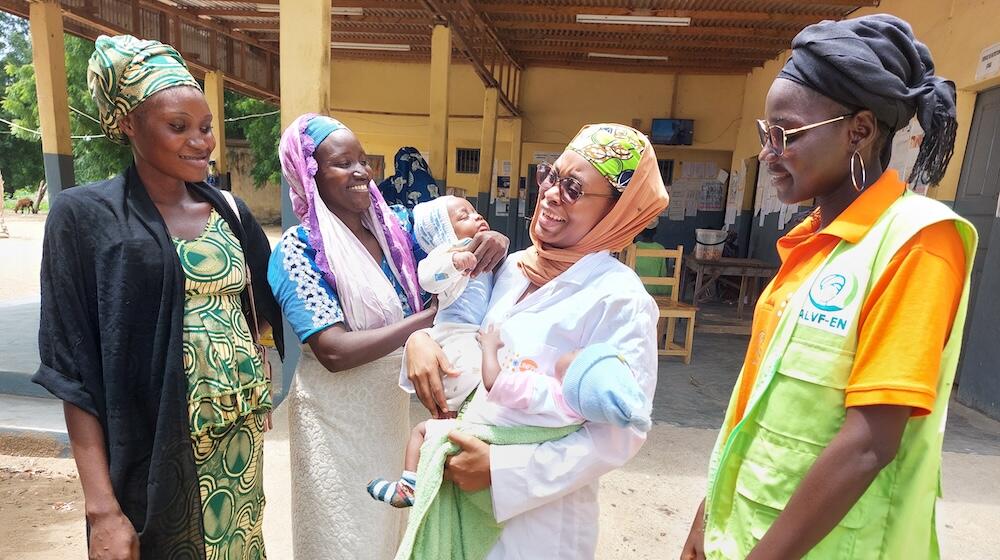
614, 149
125, 71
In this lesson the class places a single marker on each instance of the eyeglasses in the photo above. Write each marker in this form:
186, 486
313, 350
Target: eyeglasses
570, 190
777, 137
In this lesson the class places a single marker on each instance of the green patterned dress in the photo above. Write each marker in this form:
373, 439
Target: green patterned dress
228, 394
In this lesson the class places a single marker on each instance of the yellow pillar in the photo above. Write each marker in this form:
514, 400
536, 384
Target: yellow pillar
515, 156
487, 148
214, 88
49, 58
440, 72
304, 38
515, 174
304, 66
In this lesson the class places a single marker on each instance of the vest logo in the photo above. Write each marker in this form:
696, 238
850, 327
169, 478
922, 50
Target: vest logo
828, 298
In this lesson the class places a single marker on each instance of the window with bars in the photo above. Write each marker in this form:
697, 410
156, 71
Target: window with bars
467, 160
666, 170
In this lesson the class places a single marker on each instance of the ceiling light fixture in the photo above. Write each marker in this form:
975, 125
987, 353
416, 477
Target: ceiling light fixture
634, 20
627, 56
370, 46
338, 11
334, 11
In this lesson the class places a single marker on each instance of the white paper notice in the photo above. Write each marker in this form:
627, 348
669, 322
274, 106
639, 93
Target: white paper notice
678, 204
692, 204
711, 197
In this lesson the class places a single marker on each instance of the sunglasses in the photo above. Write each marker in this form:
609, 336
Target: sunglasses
570, 190
777, 137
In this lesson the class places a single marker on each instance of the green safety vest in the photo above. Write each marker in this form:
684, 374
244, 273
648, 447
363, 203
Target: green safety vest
796, 408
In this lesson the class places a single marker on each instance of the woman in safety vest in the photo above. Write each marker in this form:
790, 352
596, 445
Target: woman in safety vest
831, 445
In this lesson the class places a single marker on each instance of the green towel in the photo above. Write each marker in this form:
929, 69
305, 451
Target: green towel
446, 522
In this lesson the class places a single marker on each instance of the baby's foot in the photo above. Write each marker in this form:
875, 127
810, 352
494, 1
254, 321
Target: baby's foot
397, 494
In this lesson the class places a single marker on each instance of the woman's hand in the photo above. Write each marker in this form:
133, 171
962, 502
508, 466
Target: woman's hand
469, 469
112, 537
426, 363
694, 547
490, 248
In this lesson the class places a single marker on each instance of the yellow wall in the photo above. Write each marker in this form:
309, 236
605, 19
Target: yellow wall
554, 102
955, 32
265, 202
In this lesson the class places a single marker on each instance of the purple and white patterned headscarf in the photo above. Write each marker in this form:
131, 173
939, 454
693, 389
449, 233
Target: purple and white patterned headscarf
342, 259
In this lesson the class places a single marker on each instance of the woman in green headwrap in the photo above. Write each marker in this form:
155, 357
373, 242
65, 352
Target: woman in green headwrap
145, 329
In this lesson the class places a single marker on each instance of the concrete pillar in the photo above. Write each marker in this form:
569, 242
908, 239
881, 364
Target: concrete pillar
304, 68
49, 58
214, 88
305, 58
515, 175
487, 150
304, 36
440, 73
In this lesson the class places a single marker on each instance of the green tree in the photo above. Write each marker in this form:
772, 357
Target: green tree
93, 159
20, 158
261, 132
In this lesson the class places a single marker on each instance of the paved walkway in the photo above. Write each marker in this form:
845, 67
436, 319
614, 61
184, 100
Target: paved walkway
19, 349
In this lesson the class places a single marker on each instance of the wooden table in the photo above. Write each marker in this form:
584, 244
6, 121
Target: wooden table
708, 272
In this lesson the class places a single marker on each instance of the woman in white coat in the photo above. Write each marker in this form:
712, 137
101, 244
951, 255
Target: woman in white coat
564, 292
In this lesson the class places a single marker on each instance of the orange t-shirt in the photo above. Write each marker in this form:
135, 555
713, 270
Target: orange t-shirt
904, 322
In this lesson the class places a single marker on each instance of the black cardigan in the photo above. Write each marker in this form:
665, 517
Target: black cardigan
110, 343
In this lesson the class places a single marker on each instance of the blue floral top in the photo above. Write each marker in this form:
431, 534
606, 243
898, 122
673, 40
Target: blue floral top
308, 301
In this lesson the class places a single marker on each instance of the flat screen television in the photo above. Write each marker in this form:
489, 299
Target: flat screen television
673, 132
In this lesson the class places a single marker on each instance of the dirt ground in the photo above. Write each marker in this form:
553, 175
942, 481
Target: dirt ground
41, 504
643, 514
646, 507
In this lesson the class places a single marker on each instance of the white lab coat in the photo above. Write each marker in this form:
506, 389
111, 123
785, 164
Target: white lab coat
546, 495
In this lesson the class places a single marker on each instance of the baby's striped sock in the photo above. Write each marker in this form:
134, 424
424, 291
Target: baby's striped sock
397, 494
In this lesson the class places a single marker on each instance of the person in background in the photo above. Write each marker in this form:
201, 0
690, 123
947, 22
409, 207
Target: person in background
831, 445
145, 326
411, 182
651, 266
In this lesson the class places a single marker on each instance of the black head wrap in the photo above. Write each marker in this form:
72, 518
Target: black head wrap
876, 63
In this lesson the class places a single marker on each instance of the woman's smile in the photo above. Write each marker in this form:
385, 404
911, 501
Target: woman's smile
548, 219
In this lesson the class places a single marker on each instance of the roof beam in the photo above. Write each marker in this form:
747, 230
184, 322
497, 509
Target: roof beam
88, 25
671, 53
467, 25
195, 21
730, 15
698, 30
561, 41
614, 66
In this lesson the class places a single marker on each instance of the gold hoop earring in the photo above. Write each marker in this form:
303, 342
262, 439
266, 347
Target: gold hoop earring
864, 176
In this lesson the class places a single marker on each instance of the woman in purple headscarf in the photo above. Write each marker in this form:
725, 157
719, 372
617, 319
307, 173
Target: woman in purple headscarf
346, 281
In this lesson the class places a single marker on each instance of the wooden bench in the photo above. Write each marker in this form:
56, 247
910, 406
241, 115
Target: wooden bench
670, 307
